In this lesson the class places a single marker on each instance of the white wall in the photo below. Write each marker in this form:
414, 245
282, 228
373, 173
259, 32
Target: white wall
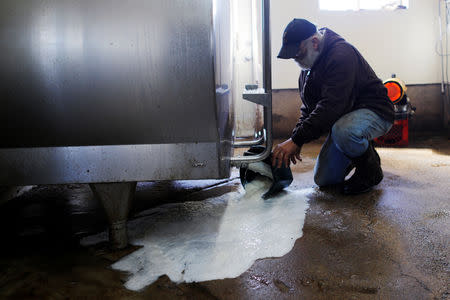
403, 42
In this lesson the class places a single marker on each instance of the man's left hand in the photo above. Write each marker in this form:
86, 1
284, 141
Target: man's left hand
284, 153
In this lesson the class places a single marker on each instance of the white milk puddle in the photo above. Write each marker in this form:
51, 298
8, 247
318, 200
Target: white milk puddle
213, 239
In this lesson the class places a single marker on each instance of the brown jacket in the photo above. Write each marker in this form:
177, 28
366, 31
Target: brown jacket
340, 81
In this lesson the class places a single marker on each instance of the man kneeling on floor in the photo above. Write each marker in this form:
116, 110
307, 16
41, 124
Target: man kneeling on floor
342, 95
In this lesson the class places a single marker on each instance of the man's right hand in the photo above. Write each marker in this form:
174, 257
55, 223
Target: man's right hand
285, 153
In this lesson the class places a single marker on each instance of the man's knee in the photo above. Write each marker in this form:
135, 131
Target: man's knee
344, 132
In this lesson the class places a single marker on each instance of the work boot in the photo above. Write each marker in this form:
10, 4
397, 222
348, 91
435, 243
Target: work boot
368, 172
372, 144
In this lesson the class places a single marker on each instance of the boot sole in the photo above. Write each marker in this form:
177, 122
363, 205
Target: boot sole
357, 192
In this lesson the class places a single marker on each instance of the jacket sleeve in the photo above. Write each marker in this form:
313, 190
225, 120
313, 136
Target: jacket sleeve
338, 81
303, 109
303, 116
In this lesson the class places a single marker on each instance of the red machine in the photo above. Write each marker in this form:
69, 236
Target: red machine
398, 135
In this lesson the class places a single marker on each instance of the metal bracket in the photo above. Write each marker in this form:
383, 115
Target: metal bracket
258, 96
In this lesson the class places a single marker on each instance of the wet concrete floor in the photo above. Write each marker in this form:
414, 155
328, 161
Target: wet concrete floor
391, 243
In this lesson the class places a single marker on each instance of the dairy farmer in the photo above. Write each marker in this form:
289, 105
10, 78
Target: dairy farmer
342, 95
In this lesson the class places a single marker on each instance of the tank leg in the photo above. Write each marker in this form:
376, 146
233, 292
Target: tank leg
116, 199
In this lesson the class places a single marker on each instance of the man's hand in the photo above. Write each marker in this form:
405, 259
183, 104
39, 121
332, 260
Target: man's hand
285, 153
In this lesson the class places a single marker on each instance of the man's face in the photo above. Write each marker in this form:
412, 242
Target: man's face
306, 55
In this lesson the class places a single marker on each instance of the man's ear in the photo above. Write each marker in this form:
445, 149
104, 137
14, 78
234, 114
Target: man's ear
315, 43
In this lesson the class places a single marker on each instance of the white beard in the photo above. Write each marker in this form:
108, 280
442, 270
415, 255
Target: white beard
308, 61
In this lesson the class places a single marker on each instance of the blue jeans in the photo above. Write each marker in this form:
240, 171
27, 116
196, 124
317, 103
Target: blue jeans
349, 138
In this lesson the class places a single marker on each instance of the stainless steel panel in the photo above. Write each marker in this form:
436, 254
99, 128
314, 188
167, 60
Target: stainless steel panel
107, 72
223, 79
108, 91
108, 163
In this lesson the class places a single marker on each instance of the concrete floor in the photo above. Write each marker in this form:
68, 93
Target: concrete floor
391, 243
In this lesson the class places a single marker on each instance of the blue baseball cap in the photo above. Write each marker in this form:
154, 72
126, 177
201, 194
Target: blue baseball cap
296, 31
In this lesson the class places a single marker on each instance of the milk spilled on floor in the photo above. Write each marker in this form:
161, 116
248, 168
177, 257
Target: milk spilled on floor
213, 239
